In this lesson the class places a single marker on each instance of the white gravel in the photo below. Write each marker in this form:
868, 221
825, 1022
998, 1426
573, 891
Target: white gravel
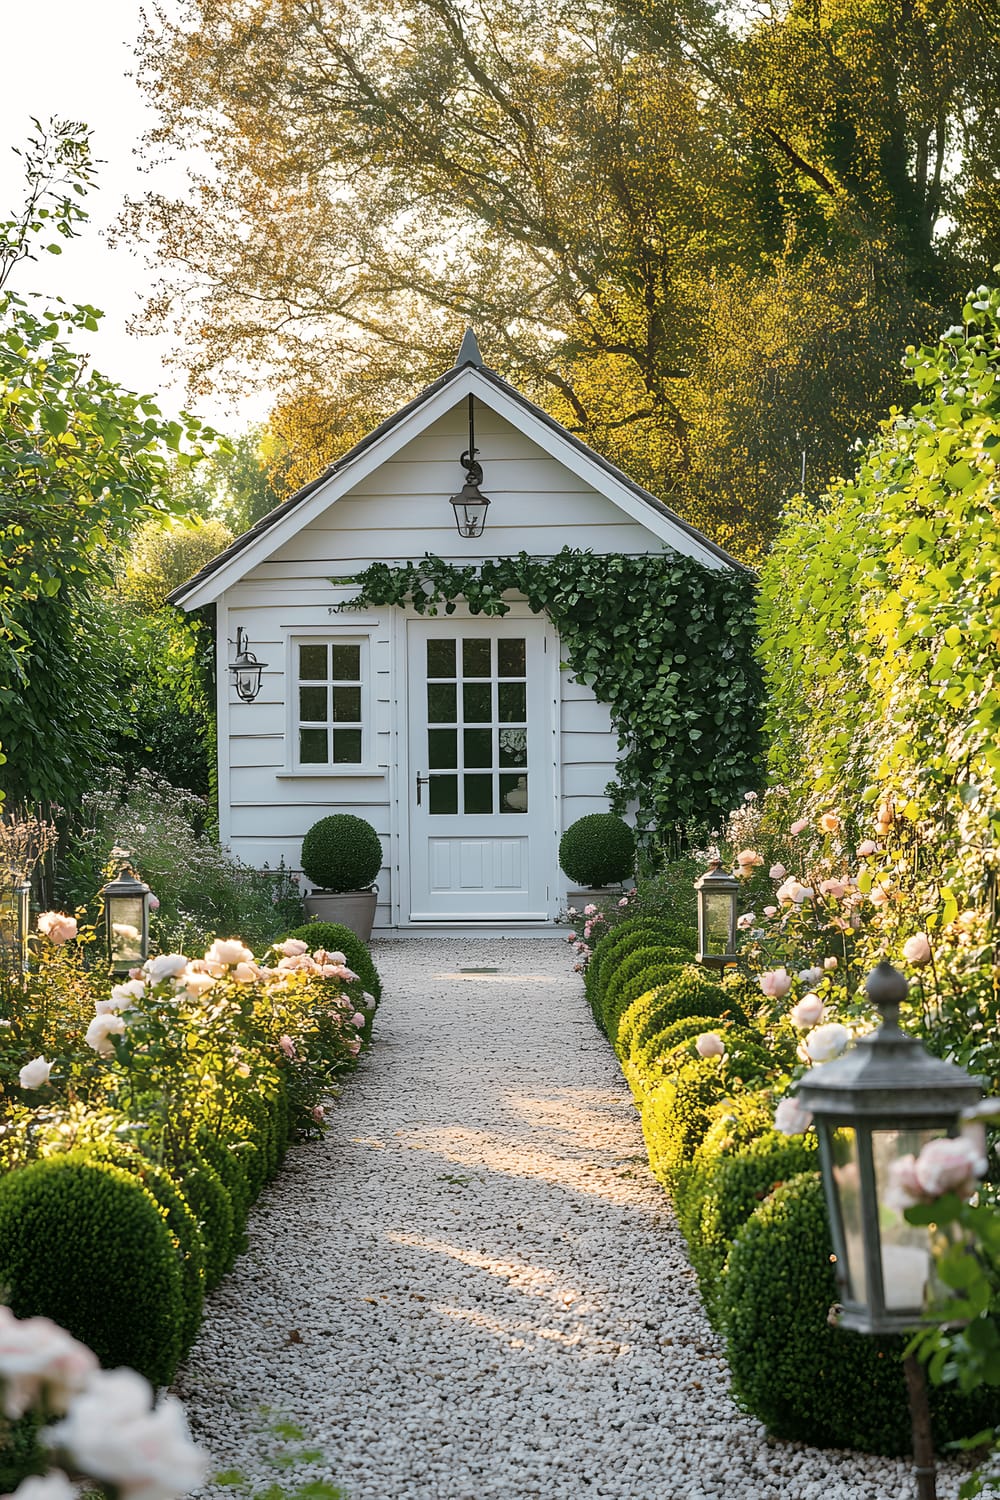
472, 1288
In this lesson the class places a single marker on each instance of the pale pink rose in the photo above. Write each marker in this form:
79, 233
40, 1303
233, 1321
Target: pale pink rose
829, 822
57, 927
165, 966
114, 1433
949, 1165
830, 963
800, 892
904, 1186
154, 902
784, 891
747, 861
917, 950
777, 872
746, 921
590, 911
38, 1357
287, 1045
35, 1073
827, 1042
623, 901
292, 947
790, 1118
318, 1113
880, 896
353, 1046
866, 848
245, 973
836, 888
357, 1020
196, 981
52, 1486
770, 911
571, 938
797, 827
775, 983
710, 1044
228, 951
336, 958
807, 1012
293, 961
102, 1028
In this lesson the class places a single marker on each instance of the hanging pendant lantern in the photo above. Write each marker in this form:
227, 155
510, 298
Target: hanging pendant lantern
470, 505
246, 669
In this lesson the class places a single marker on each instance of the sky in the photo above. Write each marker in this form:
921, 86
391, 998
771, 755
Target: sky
73, 60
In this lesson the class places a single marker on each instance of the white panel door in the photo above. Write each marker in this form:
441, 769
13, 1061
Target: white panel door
480, 795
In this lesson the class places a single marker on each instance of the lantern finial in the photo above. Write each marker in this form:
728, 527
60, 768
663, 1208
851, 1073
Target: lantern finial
887, 988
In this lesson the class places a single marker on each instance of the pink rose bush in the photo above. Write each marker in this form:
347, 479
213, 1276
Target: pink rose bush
57, 927
945, 1165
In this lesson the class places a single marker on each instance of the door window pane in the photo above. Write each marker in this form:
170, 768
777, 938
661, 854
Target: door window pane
511, 658
347, 663
443, 795
475, 658
312, 704
478, 794
441, 707
513, 747
312, 663
313, 747
479, 747
441, 658
512, 702
347, 705
513, 794
476, 698
442, 749
347, 747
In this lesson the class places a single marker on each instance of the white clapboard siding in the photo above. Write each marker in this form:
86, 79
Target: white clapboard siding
395, 513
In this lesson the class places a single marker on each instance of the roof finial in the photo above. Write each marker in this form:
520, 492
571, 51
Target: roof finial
469, 353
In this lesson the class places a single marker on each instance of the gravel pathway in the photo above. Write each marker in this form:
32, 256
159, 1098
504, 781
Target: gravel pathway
472, 1287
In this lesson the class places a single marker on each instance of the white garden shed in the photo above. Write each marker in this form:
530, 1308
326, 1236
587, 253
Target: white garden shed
458, 737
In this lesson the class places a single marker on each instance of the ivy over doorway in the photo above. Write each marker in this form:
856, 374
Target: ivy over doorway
667, 643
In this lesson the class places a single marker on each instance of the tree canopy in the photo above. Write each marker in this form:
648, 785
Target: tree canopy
699, 238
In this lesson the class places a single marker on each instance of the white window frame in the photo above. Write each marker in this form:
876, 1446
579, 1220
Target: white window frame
320, 637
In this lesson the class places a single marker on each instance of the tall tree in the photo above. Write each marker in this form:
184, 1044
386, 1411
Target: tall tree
602, 191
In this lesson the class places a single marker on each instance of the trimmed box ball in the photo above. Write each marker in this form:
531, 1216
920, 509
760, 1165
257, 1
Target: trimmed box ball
342, 853
598, 850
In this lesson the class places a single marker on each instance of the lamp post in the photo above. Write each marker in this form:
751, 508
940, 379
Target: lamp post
717, 901
470, 505
246, 669
126, 920
877, 1104
15, 902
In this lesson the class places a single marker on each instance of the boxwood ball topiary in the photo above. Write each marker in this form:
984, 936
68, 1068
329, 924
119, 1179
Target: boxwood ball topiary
342, 853
84, 1243
598, 850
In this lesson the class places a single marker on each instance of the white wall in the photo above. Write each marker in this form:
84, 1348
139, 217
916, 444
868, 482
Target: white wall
397, 514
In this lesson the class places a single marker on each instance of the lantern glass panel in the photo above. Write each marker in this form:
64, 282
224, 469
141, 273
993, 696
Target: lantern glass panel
847, 1177
905, 1248
718, 917
126, 923
9, 935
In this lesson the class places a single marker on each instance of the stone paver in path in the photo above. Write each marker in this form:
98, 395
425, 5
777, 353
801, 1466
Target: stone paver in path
472, 1288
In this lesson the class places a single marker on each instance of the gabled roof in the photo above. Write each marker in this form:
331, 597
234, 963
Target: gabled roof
468, 374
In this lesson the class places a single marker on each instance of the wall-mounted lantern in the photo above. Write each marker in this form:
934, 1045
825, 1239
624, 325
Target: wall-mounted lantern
717, 901
126, 921
470, 505
15, 915
246, 669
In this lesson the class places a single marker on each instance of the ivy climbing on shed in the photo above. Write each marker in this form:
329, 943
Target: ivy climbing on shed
665, 642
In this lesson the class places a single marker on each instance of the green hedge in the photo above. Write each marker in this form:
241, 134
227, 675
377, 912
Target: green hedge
618, 989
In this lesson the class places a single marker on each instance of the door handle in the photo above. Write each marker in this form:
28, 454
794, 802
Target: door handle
422, 781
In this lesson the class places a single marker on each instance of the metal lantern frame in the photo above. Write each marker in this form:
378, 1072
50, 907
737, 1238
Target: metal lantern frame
246, 669
888, 1092
15, 920
470, 504
122, 896
717, 891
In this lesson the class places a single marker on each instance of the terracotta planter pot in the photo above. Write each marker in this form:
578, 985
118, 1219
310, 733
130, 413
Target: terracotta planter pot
353, 909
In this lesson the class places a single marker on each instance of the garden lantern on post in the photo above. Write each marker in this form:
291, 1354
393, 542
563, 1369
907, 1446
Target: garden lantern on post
15, 905
717, 901
879, 1103
126, 920
246, 669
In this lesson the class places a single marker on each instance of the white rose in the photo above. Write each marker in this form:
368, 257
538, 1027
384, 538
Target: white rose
291, 947
37, 1355
100, 1029
54, 1486
196, 982
807, 1012
809, 977
827, 1042
228, 951
113, 1433
123, 997
790, 1118
710, 1044
35, 1073
165, 966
